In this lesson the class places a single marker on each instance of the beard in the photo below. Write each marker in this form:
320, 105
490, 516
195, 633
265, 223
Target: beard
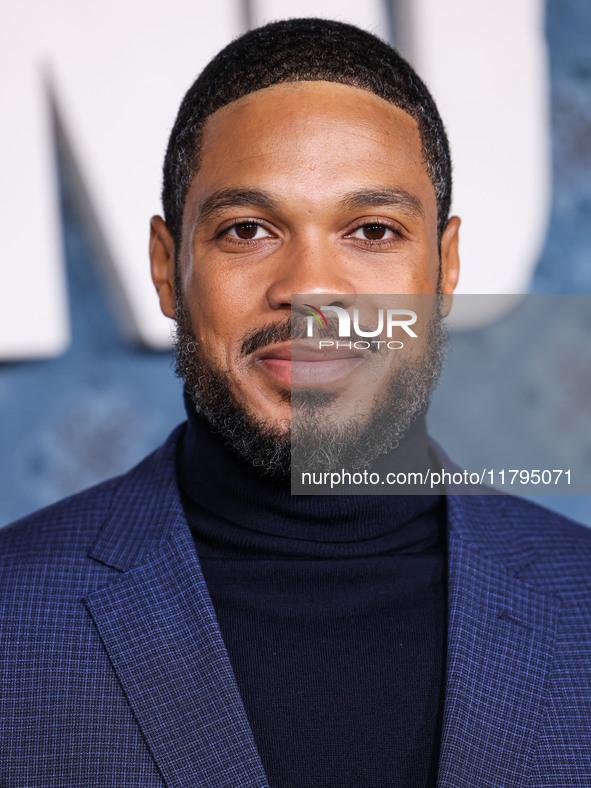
311, 442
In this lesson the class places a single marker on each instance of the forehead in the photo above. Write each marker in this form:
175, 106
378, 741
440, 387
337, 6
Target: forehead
312, 140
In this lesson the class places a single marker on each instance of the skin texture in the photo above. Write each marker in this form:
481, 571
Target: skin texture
309, 147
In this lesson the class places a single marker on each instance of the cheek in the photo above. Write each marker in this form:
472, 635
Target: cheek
424, 269
412, 274
219, 307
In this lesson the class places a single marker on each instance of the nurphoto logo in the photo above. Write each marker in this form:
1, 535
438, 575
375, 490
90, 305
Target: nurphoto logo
387, 321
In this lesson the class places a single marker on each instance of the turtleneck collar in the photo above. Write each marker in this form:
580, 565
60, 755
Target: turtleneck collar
231, 505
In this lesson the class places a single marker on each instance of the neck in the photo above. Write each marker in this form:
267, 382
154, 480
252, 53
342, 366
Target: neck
234, 499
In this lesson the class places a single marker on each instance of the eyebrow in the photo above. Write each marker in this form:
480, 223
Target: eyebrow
238, 198
233, 198
399, 198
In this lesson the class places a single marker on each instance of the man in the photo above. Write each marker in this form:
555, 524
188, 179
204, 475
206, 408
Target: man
192, 623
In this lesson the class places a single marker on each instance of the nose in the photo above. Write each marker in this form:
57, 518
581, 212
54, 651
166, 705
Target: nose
313, 270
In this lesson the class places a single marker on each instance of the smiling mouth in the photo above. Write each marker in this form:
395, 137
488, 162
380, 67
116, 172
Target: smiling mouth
296, 364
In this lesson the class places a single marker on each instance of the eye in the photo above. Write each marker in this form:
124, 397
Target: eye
247, 231
373, 231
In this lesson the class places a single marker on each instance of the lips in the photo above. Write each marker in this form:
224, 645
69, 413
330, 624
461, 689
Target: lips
300, 364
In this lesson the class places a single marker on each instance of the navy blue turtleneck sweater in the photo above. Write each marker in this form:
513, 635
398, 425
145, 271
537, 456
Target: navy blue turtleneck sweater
332, 609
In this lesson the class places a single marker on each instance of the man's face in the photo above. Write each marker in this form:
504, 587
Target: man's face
308, 187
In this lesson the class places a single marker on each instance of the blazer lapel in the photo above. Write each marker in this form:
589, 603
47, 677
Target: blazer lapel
159, 629
158, 626
500, 638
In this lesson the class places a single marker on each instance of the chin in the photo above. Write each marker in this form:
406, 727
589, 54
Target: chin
281, 425
274, 410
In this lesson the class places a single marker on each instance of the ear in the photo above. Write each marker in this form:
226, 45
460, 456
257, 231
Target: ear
162, 264
450, 261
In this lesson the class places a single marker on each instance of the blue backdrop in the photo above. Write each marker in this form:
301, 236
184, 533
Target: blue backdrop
71, 422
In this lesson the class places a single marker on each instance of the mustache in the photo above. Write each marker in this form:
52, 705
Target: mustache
267, 335
296, 327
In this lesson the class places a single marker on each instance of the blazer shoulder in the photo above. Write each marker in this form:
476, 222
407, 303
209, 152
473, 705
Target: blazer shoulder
71, 526
68, 525
547, 527
531, 540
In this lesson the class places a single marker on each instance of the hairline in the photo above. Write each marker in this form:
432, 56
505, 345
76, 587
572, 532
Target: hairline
196, 159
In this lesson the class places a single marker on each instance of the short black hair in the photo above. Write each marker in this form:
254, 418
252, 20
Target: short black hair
297, 50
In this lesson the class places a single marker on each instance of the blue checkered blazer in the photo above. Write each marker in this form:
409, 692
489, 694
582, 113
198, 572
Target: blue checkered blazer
114, 672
